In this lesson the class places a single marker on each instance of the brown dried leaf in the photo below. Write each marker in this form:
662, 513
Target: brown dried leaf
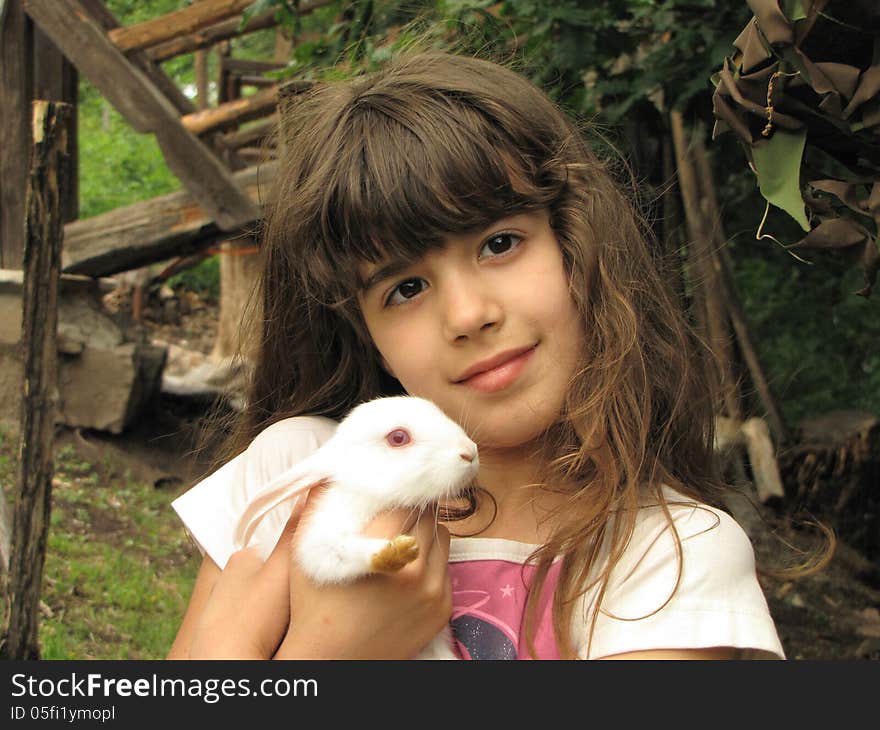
834, 233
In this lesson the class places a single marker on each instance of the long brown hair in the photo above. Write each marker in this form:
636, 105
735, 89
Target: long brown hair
434, 144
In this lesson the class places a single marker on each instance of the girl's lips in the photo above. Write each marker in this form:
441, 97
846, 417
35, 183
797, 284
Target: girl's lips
501, 376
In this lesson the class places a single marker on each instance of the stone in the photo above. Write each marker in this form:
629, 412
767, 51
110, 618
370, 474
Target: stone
104, 382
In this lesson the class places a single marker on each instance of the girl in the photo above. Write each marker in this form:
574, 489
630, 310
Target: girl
441, 228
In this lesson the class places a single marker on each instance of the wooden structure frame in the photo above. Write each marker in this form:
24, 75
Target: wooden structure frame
218, 162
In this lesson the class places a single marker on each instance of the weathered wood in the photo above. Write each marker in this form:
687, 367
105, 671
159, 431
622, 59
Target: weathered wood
180, 22
208, 37
106, 20
239, 269
15, 95
284, 45
56, 79
259, 81
201, 68
833, 471
232, 112
42, 260
248, 66
704, 277
223, 51
257, 133
146, 109
30, 67
730, 296
214, 34
762, 458
155, 230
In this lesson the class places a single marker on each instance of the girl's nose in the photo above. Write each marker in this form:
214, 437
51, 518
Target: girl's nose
471, 305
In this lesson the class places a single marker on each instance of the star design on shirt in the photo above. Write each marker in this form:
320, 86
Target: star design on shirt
507, 591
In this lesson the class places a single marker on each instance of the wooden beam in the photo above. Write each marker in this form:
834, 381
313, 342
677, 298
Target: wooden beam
138, 100
154, 230
248, 66
232, 112
261, 82
250, 135
106, 20
180, 22
211, 36
207, 37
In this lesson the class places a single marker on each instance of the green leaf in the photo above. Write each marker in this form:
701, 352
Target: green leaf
794, 10
778, 165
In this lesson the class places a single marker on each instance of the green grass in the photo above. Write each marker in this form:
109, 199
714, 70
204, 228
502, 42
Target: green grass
119, 567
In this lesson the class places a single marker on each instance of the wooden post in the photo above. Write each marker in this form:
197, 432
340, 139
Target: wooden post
201, 63
728, 291
42, 262
16, 83
706, 288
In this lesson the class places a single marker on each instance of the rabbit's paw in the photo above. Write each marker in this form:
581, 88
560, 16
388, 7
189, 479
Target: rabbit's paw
400, 551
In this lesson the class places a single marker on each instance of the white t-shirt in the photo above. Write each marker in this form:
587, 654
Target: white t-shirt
718, 600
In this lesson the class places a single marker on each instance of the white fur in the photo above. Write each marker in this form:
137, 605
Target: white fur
365, 477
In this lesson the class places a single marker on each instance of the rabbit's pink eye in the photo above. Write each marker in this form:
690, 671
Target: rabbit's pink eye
398, 437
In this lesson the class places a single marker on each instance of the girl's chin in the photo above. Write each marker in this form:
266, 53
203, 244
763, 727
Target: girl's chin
507, 437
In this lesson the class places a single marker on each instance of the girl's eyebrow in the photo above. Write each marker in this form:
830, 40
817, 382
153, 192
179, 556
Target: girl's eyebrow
393, 268
386, 271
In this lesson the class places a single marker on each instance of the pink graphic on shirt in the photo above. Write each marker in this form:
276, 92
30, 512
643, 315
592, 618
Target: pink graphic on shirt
488, 610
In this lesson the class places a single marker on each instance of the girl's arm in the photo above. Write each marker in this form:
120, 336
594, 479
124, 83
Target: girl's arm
243, 611
209, 572
712, 653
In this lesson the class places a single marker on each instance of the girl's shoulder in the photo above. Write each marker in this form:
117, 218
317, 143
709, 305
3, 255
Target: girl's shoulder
306, 430
689, 517
689, 578
210, 508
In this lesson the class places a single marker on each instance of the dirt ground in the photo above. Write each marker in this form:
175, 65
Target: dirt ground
834, 614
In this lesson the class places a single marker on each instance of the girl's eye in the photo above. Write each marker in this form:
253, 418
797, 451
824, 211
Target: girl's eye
398, 437
500, 244
405, 290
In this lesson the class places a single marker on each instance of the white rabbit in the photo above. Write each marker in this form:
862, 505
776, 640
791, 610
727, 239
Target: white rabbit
388, 453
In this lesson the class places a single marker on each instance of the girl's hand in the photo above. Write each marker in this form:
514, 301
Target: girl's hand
247, 615
248, 610
381, 616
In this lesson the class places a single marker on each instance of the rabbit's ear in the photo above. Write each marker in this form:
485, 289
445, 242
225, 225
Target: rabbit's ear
294, 483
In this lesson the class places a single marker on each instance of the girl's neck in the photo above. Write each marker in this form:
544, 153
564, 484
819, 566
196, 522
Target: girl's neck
522, 509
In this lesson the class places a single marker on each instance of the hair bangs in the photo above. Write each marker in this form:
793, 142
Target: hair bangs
413, 169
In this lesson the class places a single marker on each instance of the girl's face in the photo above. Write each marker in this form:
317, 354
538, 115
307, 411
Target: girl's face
485, 327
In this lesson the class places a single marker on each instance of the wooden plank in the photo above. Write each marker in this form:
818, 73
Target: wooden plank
178, 23
232, 112
154, 230
207, 37
210, 36
248, 66
126, 87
